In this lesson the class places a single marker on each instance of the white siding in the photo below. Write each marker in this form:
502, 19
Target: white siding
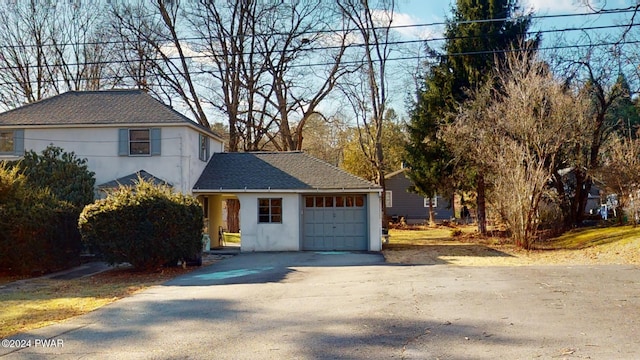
178, 162
374, 207
284, 236
287, 235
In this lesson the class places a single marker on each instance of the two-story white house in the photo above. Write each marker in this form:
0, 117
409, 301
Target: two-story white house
119, 132
288, 201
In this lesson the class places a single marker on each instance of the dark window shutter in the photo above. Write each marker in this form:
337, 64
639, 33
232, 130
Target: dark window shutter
123, 142
155, 141
208, 140
18, 142
203, 151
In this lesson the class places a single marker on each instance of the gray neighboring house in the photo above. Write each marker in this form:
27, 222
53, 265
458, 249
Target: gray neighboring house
412, 207
290, 201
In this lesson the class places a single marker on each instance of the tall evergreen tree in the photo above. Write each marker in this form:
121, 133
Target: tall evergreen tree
479, 35
623, 116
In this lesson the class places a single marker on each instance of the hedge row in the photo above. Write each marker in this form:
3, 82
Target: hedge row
147, 225
37, 231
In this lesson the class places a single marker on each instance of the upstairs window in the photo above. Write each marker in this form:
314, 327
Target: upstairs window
203, 147
139, 142
388, 198
6, 142
12, 142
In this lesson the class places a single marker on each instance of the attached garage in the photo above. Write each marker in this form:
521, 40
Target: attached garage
335, 222
290, 201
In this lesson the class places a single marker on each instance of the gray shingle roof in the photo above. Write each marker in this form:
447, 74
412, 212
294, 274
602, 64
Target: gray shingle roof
104, 107
132, 179
275, 171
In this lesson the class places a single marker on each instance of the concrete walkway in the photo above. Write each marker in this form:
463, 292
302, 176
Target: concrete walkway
354, 306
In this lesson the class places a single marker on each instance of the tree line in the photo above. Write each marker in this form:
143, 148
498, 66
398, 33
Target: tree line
267, 67
262, 66
527, 135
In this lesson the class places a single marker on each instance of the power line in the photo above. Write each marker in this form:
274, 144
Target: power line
401, 58
400, 42
629, 9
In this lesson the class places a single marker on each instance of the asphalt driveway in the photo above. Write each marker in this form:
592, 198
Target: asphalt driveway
337, 305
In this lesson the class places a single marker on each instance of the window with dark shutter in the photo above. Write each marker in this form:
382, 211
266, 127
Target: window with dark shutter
139, 142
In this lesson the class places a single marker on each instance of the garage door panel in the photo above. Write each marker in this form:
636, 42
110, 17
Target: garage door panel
328, 229
329, 216
337, 222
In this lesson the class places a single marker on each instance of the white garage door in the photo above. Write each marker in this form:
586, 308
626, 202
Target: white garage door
335, 222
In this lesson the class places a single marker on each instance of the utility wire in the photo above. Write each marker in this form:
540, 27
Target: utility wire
22, 67
354, 62
630, 9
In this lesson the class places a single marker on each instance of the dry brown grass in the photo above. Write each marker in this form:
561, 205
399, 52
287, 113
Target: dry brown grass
42, 301
614, 245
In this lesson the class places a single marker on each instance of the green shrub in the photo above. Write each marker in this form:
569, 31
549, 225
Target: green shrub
68, 177
147, 226
49, 191
33, 240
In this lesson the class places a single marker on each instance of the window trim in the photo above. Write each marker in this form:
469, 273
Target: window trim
435, 202
274, 211
388, 198
147, 141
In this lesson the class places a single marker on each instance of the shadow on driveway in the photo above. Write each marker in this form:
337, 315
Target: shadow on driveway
257, 268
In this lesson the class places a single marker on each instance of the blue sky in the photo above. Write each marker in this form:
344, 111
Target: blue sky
415, 12
430, 11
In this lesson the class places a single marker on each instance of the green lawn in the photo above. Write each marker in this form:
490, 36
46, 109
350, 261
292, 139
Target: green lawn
232, 237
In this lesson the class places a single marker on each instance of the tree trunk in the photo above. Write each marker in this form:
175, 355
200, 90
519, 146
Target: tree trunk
233, 215
432, 220
481, 206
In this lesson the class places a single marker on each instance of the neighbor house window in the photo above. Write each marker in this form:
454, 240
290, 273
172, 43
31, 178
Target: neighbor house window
270, 210
434, 202
388, 198
6, 141
139, 142
203, 147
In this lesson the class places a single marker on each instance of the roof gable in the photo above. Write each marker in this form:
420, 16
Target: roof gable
133, 179
395, 173
275, 171
105, 107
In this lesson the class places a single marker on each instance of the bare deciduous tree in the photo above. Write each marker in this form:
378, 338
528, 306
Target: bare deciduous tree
367, 93
304, 61
595, 72
49, 47
157, 36
620, 173
520, 128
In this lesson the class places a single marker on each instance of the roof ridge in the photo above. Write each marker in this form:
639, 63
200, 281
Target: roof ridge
394, 173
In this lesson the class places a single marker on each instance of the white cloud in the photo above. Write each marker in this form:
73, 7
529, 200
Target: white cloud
407, 28
556, 6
